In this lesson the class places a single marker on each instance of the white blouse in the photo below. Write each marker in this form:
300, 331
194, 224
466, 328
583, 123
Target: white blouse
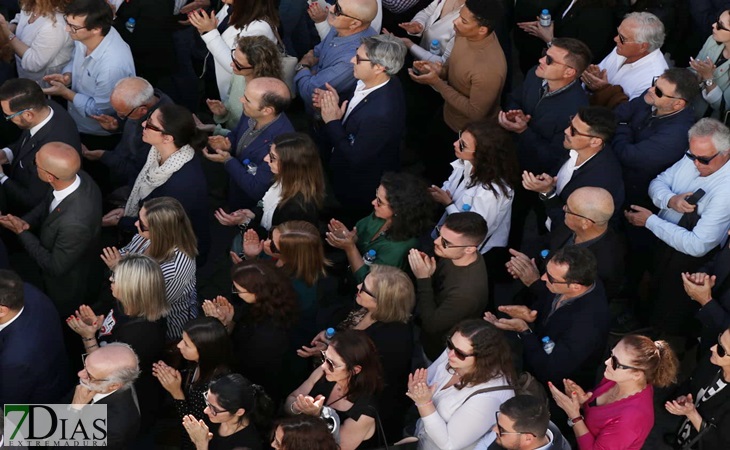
441, 29
50, 45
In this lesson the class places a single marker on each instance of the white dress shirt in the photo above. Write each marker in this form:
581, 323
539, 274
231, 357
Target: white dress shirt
565, 174
634, 77
33, 131
58, 196
7, 324
360, 93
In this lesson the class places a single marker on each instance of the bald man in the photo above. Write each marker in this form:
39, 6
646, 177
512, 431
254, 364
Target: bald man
264, 102
61, 234
330, 61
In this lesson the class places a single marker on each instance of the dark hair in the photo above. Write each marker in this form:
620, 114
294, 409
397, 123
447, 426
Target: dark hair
98, 14
11, 290
655, 358
530, 414
600, 120
262, 55
214, 347
488, 13
274, 100
492, 354
235, 392
579, 55
275, 296
684, 81
300, 168
582, 266
178, 122
495, 160
242, 13
469, 224
305, 432
411, 203
356, 349
22, 93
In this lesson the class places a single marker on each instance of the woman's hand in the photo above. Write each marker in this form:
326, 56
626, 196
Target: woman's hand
238, 217
216, 107
203, 21
537, 30
571, 386
421, 393
198, 431
568, 403
339, 236
83, 324
220, 308
683, 406
169, 378
111, 257
419, 376
111, 219
705, 68
316, 12
308, 405
252, 245
318, 344
412, 27
440, 196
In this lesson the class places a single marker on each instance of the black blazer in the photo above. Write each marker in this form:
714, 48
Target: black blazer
715, 315
24, 190
65, 244
33, 363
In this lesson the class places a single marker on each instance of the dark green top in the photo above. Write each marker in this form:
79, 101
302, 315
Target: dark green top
388, 252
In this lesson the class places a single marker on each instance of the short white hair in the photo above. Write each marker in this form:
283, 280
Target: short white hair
132, 96
708, 127
648, 29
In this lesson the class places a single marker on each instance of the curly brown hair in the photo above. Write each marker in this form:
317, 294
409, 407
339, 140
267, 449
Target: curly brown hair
495, 159
492, 354
275, 296
411, 203
47, 8
262, 55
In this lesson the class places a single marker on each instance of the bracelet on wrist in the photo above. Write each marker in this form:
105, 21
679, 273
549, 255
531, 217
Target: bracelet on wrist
291, 408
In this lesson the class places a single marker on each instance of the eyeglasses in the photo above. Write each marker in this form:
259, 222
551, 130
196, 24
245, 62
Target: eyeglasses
358, 59
554, 280
462, 145
719, 25
331, 364
721, 352
35, 163
236, 63
659, 93
236, 291
88, 375
142, 226
149, 126
379, 201
338, 12
617, 365
459, 354
549, 60
574, 131
213, 410
568, 211
501, 431
365, 290
124, 116
14, 115
700, 159
272, 246
446, 244
72, 27
622, 39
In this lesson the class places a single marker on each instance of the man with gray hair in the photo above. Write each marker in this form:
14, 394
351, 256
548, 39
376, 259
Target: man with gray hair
107, 378
635, 61
134, 100
365, 132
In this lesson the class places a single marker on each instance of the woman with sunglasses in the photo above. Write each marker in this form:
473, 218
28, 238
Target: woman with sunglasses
303, 433
619, 413
235, 19
137, 319
260, 325
402, 211
712, 68
239, 413
165, 234
173, 169
348, 381
705, 409
384, 302
206, 348
454, 408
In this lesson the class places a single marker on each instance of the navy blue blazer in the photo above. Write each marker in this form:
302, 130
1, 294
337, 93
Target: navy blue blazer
246, 189
33, 363
367, 144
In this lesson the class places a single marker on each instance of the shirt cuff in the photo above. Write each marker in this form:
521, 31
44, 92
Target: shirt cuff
8, 154
3, 178
80, 101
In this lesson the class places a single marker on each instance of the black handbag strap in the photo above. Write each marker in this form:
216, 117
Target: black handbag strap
485, 390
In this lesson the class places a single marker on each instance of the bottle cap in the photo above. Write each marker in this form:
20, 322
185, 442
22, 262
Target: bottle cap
546, 339
246, 161
544, 253
371, 252
330, 331
466, 207
545, 12
435, 42
131, 20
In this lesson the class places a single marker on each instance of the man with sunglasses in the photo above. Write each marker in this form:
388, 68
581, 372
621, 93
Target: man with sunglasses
523, 423
455, 288
636, 59
100, 59
42, 121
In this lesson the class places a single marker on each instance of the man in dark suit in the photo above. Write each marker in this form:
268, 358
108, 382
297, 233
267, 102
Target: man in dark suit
61, 234
107, 378
365, 132
33, 367
42, 121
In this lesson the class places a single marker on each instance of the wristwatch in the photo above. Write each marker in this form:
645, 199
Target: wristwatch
546, 195
572, 422
301, 66
709, 83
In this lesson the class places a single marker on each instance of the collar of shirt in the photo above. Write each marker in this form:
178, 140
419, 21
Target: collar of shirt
360, 93
557, 91
103, 45
557, 303
7, 324
63, 193
99, 397
36, 128
648, 59
575, 159
550, 437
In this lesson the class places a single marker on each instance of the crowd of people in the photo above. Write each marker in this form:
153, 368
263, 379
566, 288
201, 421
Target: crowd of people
447, 224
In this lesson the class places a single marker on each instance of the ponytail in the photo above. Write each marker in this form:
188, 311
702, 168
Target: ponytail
655, 358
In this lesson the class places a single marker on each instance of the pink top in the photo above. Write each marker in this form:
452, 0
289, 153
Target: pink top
621, 425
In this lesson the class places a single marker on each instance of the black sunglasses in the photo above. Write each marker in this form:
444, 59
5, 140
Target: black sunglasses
549, 60
338, 12
721, 352
329, 362
446, 244
574, 131
617, 365
142, 226
459, 354
554, 280
701, 159
365, 290
659, 93
358, 59
236, 63
719, 24
621, 38
149, 126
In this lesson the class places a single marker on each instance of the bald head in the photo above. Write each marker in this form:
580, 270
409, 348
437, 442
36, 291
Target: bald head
365, 10
116, 363
132, 92
59, 160
593, 202
273, 93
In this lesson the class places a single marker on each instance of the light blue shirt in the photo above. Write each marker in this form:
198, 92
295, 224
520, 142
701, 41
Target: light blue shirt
93, 78
713, 208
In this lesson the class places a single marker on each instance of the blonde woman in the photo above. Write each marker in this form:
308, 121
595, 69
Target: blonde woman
165, 234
